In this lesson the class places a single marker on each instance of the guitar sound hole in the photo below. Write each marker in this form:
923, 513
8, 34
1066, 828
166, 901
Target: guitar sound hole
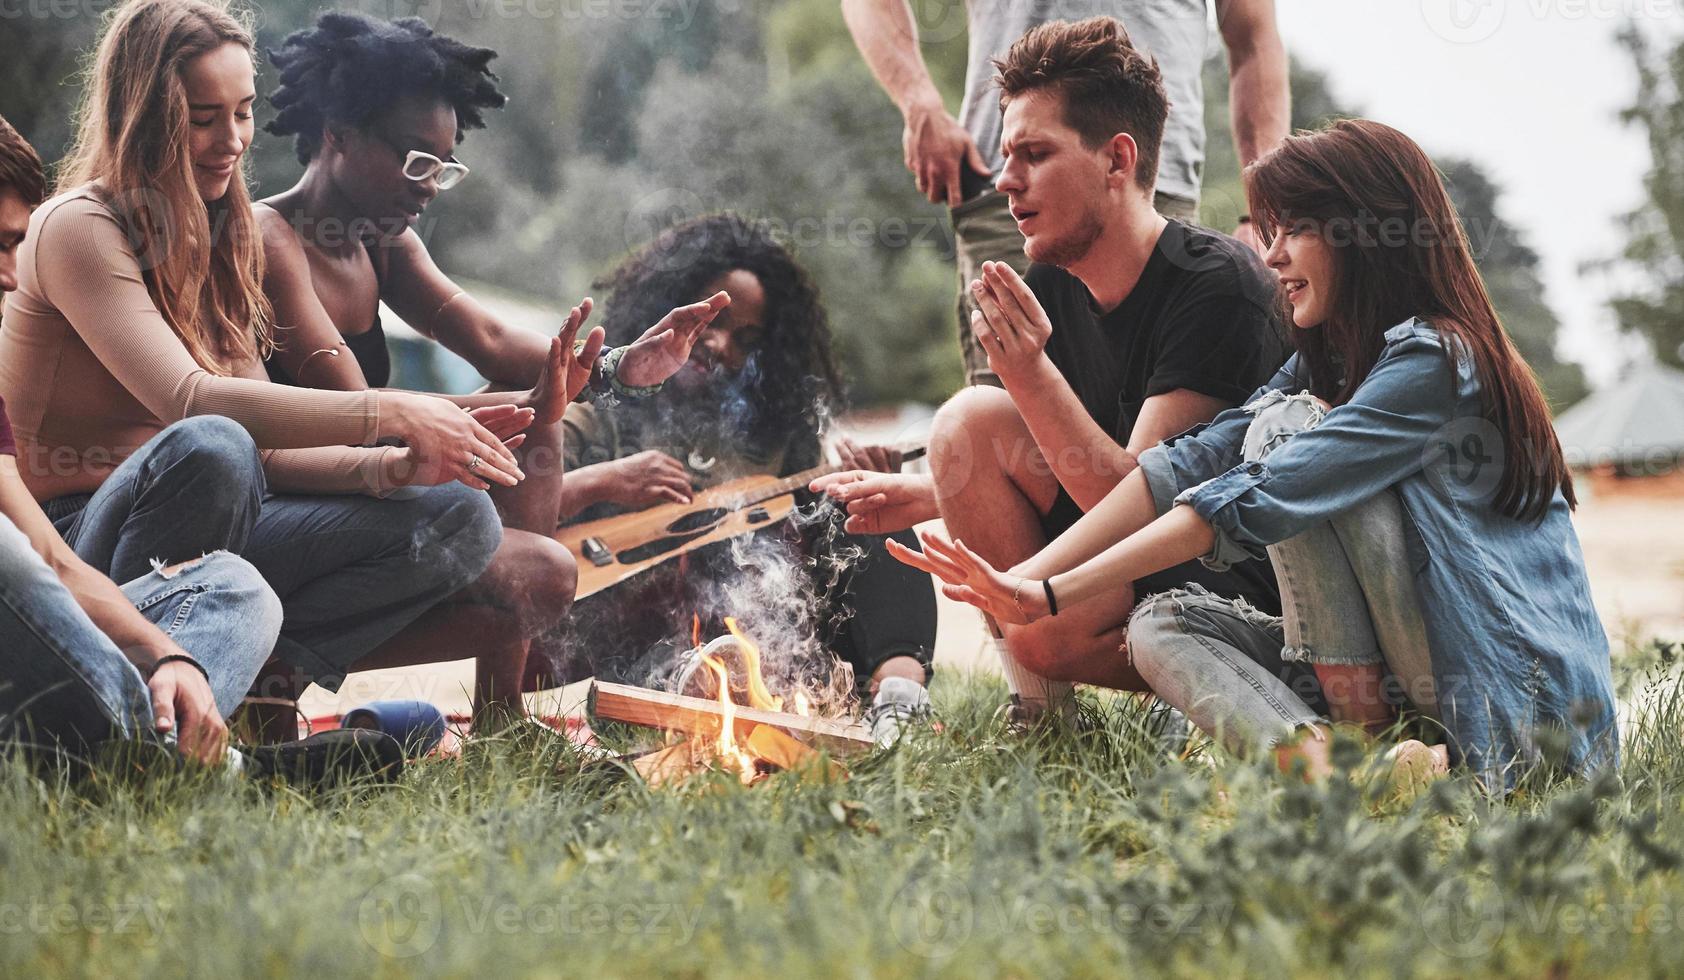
660, 546
697, 519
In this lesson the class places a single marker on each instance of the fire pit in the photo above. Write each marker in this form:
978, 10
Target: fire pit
712, 730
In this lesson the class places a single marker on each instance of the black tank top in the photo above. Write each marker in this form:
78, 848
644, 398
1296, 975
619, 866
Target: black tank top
368, 347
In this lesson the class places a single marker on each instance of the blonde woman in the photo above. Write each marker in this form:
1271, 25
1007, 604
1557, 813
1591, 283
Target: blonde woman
131, 363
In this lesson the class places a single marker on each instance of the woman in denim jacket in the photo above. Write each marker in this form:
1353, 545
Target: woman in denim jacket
1402, 472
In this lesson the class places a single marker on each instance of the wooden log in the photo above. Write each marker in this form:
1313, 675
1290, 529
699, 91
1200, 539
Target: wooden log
772, 745
697, 716
666, 765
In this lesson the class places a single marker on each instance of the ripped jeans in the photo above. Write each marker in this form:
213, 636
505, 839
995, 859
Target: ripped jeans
1348, 598
351, 571
62, 680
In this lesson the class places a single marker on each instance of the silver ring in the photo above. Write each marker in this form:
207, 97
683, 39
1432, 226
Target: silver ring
473, 464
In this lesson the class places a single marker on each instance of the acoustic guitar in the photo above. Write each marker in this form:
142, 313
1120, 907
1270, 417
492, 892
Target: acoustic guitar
612, 549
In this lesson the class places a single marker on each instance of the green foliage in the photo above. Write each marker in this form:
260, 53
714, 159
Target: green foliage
627, 116
1510, 268
962, 853
1511, 272
1652, 262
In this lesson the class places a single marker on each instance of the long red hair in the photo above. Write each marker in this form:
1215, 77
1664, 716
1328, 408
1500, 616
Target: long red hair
1399, 252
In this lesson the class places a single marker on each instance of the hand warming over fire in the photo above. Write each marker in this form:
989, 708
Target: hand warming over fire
880, 503
877, 459
565, 373
969, 578
665, 347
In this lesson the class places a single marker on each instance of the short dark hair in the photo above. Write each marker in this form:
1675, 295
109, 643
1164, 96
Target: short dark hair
1108, 85
351, 68
20, 165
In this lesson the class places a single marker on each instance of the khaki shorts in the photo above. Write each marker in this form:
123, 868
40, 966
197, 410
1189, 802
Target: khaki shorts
983, 231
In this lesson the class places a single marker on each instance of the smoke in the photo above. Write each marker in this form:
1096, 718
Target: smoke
786, 585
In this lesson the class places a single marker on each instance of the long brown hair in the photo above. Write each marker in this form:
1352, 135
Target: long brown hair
202, 263
1399, 252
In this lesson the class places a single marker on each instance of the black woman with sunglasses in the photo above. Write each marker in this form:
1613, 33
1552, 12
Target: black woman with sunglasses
376, 110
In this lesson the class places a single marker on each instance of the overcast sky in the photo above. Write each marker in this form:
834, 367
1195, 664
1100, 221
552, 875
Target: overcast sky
1528, 88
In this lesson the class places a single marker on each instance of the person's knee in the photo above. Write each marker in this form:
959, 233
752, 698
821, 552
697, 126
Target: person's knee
238, 583
458, 534
1276, 418
549, 579
1045, 650
976, 411
979, 428
1151, 627
218, 447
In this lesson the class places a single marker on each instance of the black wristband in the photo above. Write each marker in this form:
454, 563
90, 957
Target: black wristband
179, 658
1052, 603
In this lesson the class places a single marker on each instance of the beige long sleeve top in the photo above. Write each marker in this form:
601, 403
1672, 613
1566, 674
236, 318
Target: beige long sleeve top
90, 370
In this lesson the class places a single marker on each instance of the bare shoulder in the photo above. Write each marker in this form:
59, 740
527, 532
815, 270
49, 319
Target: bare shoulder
278, 233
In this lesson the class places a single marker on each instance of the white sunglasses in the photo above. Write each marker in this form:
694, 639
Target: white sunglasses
418, 166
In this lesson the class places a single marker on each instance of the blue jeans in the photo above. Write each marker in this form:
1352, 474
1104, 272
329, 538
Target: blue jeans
351, 571
64, 681
1347, 596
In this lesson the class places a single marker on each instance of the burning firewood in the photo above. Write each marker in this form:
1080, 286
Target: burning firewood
754, 739
696, 716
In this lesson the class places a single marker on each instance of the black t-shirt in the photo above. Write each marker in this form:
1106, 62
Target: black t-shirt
1200, 317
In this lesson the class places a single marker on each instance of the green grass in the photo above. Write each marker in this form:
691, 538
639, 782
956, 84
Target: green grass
961, 854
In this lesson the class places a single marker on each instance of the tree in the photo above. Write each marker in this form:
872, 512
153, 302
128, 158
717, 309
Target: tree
1653, 258
1510, 268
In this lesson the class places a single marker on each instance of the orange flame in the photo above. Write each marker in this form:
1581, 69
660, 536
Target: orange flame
695, 630
728, 748
758, 696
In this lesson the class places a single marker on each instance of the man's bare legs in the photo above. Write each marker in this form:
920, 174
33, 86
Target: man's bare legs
992, 487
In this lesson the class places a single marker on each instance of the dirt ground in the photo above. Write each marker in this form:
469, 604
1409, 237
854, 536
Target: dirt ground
1633, 540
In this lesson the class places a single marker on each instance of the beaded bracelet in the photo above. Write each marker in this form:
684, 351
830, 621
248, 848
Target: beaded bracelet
611, 369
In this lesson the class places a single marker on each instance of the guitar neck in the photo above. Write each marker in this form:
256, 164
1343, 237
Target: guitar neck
799, 481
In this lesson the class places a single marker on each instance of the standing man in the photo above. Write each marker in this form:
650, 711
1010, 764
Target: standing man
953, 161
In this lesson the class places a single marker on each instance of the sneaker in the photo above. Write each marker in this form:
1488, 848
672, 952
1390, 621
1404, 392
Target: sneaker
341, 755
1170, 729
900, 704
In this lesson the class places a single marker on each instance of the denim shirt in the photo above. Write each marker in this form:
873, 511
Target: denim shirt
1516, 643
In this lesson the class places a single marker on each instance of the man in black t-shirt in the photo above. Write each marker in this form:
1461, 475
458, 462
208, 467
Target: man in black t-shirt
1129, 329
1198, 322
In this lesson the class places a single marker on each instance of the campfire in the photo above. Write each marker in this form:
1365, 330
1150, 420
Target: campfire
708, 728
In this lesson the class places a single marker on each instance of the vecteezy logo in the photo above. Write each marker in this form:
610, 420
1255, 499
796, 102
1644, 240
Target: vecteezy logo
658, 211
1465, 458
401, 916
1464, 21
933, 915
1458, 924
938, 21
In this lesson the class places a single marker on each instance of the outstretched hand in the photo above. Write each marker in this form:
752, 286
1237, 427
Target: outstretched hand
878, 459
880, 503
967, 577
664, 348
565, 374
